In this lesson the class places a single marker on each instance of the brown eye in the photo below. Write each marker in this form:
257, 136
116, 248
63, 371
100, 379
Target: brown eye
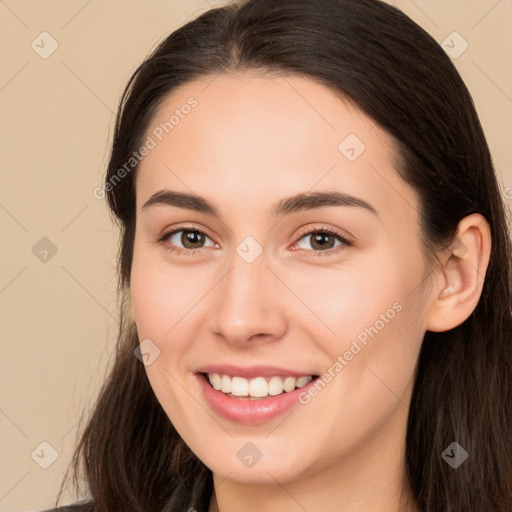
191, 239
322, 241
185, 240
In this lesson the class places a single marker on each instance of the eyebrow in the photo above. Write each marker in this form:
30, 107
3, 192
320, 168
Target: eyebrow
298, 202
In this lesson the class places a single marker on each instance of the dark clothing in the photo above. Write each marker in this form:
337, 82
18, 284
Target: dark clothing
76, 507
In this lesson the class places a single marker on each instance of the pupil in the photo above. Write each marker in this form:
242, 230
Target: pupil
190, 236
319, 239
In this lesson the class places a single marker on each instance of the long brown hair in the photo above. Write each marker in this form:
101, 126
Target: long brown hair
397, 74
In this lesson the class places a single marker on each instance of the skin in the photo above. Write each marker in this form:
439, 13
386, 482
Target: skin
251, 141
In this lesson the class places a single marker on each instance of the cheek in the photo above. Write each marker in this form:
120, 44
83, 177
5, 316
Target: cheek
375, 298
162, 297
344, 301
163, 300
374, 315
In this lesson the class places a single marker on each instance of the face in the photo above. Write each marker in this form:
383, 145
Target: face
254, 285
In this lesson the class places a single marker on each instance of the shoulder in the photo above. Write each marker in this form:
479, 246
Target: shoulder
75, 507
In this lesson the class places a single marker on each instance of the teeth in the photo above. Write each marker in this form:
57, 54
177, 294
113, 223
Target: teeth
302, 381
290, 383
275, 386
259, 387
215, 381
225, 384
239, 386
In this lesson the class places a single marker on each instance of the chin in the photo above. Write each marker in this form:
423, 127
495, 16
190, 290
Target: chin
272, 466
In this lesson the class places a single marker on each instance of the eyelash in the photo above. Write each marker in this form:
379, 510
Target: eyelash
178, 250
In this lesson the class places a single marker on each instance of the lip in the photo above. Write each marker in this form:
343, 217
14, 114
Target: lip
246, 411
252, 371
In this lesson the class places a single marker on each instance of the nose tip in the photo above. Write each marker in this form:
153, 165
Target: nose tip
247, 307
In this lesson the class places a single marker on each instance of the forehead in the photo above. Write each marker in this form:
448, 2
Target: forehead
242, 135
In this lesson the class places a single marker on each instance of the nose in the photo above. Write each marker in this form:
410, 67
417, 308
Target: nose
249, 304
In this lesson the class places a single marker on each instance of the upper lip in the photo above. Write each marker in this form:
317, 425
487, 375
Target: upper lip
251, 371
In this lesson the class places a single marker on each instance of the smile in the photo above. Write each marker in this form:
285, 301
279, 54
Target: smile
258, 387
252, 401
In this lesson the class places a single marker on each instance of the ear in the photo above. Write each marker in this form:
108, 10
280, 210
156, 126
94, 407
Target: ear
459, 283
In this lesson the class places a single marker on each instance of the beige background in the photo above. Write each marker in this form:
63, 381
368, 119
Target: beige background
59, 317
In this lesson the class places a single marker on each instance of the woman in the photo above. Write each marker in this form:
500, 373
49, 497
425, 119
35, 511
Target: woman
315, 273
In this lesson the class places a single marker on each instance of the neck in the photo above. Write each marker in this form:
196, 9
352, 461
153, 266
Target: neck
369, 478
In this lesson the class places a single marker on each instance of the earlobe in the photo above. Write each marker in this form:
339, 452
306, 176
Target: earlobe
461, 279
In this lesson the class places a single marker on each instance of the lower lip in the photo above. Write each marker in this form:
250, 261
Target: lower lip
247, 411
